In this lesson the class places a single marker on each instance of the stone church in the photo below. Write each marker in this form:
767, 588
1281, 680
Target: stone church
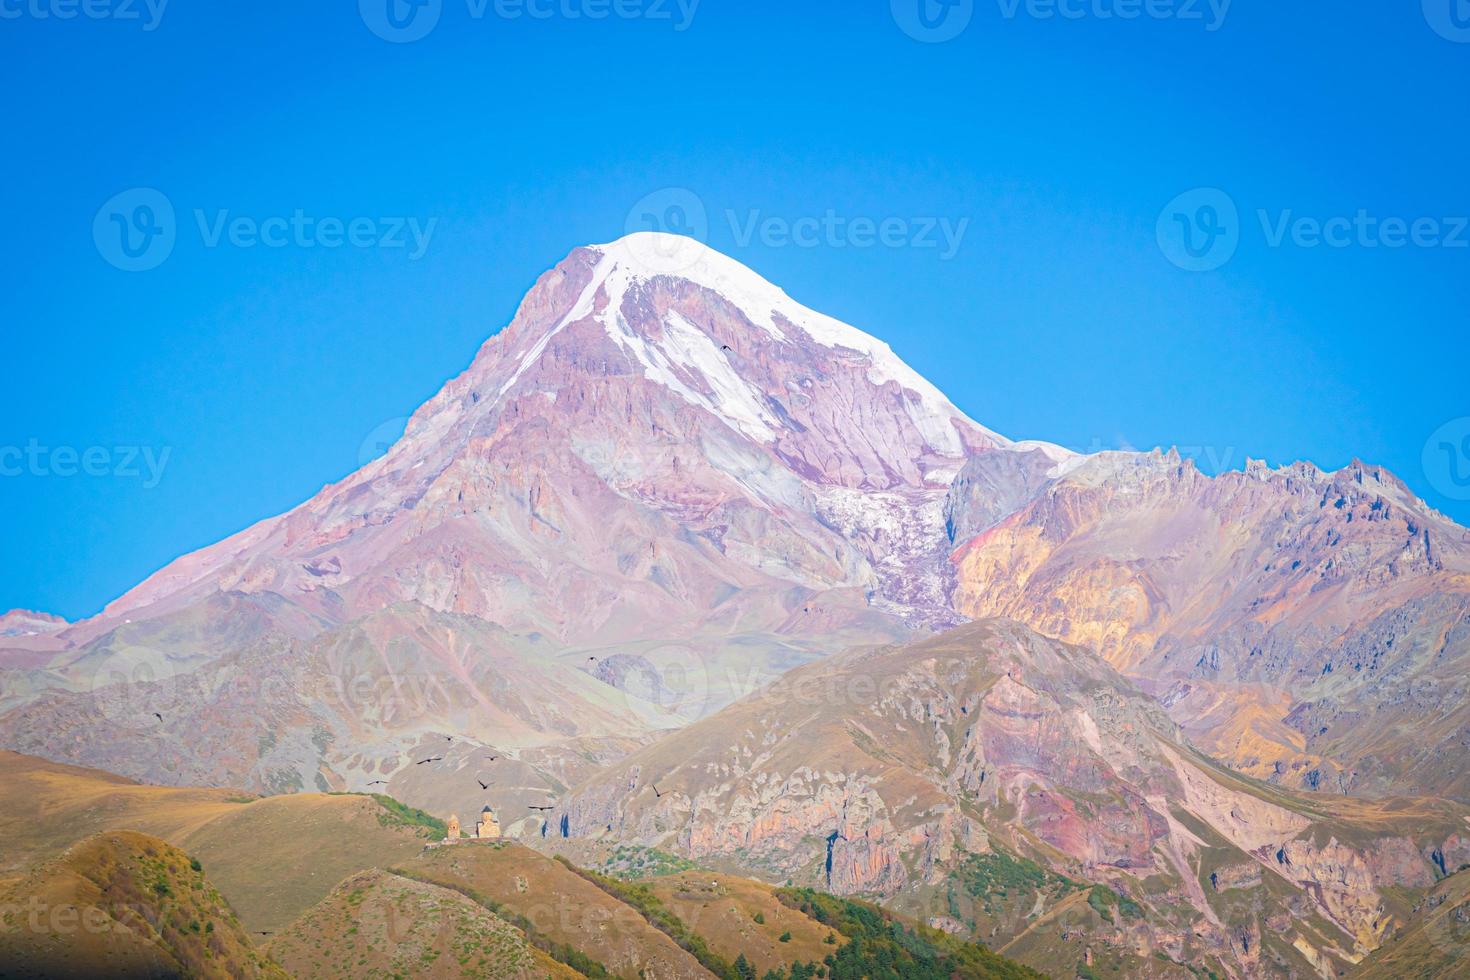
487, 829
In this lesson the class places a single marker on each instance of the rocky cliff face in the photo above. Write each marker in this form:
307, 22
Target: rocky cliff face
882, 772
1306, 627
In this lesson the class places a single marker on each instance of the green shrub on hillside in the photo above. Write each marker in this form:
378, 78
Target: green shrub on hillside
560, 952
643, 900
999, 873
881, 947
1103, 899
401, 815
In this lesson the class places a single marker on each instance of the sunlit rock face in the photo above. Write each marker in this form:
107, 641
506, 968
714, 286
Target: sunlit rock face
877, 772
1310, 628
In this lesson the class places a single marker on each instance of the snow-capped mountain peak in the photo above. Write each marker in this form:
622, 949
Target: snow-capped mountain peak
643, 256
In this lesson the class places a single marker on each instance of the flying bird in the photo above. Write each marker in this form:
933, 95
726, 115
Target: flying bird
378, 782
435, 759
725, 347
492, 758
158, 716
483, 784
543, 809
656, 793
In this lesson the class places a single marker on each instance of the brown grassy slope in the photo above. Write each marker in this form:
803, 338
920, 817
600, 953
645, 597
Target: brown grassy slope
722, 909
46, 807
557, 904
379, 924
122, 904
279, 856
1435, 945
272, 858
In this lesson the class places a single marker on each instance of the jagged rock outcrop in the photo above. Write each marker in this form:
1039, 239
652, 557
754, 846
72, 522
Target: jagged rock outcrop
1310, 628
880, 771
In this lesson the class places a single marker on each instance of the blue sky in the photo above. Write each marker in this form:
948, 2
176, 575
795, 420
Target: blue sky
250, 375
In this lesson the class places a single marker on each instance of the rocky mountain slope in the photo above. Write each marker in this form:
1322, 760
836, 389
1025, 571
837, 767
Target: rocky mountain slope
647, 495
927, 774
1435, 942
664, 484
1306, 627
667, 485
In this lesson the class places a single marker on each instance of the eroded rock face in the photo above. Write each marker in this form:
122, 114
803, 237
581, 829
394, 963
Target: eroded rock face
878, 772
1308, 628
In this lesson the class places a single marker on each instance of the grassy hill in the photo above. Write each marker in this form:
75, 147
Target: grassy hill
380, 924
122, 904
47, 807
557, 907
343, 885
737, 915
700, 923
277, 857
